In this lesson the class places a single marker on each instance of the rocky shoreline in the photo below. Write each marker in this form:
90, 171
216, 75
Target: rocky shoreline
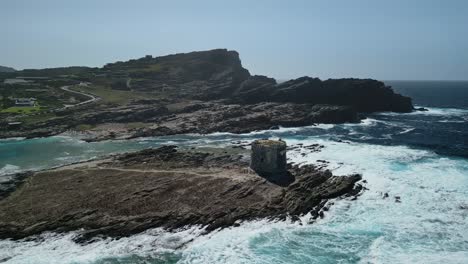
165, 187
193, 117
199, 92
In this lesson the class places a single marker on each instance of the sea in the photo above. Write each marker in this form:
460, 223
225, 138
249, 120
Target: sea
419, 159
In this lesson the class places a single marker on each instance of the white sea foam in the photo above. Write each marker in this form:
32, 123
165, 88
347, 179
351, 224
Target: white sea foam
453, 121
9, 169
445, 111
53, 248
365, 122
435, 111
11, 139
64, 138
407, 131
429, 225
428, 219
321, 126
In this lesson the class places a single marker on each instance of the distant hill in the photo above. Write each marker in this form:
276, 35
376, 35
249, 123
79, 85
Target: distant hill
6, 69
219, 75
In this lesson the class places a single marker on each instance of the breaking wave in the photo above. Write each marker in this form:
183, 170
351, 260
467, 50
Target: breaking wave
430, 218
414, 211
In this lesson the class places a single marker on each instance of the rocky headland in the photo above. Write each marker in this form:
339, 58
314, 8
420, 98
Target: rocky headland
166, 187
199, 92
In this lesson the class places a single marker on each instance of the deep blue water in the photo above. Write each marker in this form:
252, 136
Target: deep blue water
446, 135
420, 157
448, 94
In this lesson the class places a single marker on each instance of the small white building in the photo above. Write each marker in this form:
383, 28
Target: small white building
25, 101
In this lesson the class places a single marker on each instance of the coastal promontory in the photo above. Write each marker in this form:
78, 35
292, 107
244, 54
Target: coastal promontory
168, 187
196, 92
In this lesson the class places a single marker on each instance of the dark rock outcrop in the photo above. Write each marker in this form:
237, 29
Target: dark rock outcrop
365, 95
6, 69
203, 75
255, 89
200, 118
125, 114
246, 118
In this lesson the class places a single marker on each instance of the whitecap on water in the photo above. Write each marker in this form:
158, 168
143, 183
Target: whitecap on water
50, 248
406, 131
435, 111
9, 169
421, 186
11, 139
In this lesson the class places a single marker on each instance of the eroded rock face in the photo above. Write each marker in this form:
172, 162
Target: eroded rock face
206, 75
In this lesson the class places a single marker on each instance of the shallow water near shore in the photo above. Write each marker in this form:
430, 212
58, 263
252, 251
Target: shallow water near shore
418, 159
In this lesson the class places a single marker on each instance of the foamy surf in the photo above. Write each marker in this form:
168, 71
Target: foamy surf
9, 169
155, 244
434, 111
426, 219
415, 210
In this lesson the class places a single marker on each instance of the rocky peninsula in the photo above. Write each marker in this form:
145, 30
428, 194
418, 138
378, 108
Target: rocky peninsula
166, 187
197, 92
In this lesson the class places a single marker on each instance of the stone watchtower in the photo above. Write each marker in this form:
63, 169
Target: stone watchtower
269, 158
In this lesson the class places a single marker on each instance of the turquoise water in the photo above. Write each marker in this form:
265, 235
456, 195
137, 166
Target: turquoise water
429, 225
40, 153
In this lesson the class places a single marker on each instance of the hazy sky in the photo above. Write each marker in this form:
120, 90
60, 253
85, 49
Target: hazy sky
382, 39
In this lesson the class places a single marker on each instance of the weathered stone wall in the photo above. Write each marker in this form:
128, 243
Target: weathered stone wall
269, 158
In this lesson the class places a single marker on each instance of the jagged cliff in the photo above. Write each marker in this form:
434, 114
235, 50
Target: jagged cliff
365, 95
218, 74
204, 75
